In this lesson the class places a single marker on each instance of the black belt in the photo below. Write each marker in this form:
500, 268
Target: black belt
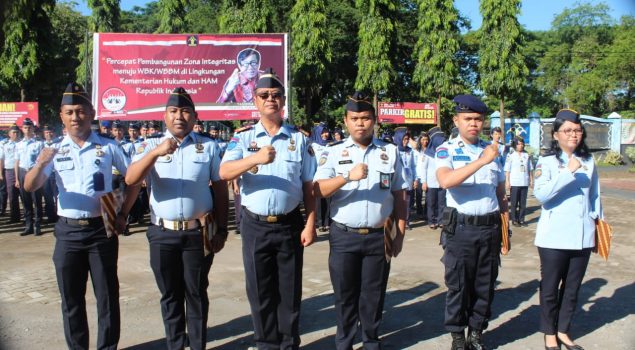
93, 222
479, 220
358, 230
272, 218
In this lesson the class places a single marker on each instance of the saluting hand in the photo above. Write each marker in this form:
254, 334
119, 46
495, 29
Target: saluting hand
574, 163
359, 172
46, 155
168, 146
265, 155
490, 153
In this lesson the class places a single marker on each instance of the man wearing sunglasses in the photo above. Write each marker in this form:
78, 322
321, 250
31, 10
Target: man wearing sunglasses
276, 166
240, 86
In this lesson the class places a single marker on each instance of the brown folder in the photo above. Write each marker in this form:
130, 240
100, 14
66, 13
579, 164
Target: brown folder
111, 203
390, 232
505, 246
603, 236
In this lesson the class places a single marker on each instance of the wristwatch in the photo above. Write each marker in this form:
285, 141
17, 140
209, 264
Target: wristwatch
346, 175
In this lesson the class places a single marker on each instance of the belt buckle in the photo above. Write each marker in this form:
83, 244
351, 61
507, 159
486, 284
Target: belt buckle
272, 219
363, 231
185, 225
175, 225
83, 222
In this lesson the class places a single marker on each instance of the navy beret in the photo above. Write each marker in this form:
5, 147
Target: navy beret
469, 104
133, 125
213, 127
117, 124
75, 95
144, 125
27, 122
106, 124
47, 128
269, 80
180, 98
14, 128
199, 122
359, 102
152, 125
568, 114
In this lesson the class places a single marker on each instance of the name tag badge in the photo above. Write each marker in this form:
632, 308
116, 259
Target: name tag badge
347, 161
461, 158
98, 182
384, 181
63, 159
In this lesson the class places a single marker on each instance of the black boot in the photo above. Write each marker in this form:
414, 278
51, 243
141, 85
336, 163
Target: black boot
37, 230
458, 341
474, 340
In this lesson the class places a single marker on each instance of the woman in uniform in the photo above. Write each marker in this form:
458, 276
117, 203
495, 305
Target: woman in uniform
567, 185
519, 177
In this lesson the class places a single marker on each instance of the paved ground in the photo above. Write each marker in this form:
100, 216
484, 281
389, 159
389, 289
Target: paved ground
30, 315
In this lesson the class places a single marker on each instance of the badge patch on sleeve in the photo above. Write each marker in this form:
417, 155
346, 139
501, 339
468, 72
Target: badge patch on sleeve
232, 143
537, 173
442, 153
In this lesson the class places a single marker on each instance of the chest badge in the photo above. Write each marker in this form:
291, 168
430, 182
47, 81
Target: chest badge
344, 153
253, 147
199, 147
254, 170
384, 158
99, 152
291, 145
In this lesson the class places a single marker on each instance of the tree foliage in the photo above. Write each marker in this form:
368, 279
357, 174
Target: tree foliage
374, 66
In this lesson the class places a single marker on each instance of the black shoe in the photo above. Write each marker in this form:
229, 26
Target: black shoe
37, 231
569, 347
523, 224
551, 347
474, 340
27, 231
458, 341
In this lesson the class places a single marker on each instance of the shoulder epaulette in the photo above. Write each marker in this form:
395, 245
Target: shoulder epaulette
244, 128
156, 135
335, 143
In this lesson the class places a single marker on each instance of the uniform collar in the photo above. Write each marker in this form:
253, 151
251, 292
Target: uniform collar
190, 136
93, 138
348, 142
284, 129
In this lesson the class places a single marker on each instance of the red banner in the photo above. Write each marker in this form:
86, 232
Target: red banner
407, 113
15, 112
133, 74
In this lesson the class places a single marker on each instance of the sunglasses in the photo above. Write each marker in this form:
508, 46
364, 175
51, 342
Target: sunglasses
274, 95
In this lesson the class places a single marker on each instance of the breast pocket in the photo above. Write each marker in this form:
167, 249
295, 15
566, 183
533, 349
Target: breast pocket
199, 166
293, 164
65, 171
487, 174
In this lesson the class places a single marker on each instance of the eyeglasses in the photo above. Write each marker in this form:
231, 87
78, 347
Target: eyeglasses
265, 95
251, 63
570, 132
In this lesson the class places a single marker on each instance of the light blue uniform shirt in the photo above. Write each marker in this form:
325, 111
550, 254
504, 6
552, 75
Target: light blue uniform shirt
26, 152
367, 202
75, 168
518, 165
7, 153
408, 159
427, 171
275, 188
180, 181
477, 194
570, 203
130, 147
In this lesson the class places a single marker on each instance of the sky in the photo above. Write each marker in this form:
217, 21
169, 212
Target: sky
535, 14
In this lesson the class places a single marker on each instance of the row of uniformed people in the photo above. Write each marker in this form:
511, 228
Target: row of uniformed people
363, 176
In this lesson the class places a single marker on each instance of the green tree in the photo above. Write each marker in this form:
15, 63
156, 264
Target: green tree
501, 63
105, 18
618, 65
172, 14
435, 53
26, 29
310, 50
376, 30
248, 16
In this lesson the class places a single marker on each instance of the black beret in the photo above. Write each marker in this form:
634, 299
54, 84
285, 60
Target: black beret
133, 125
359, 102
47, 128
144, 125
199, 122
568, 114
180, 98
75, 95
152, 125
27, 122
14, 128
117, 124
213, 127
469, 104
269, 80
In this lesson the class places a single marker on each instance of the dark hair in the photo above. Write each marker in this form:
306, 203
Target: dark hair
421, 136
495, 129
515, 141
246, 53
581, 151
